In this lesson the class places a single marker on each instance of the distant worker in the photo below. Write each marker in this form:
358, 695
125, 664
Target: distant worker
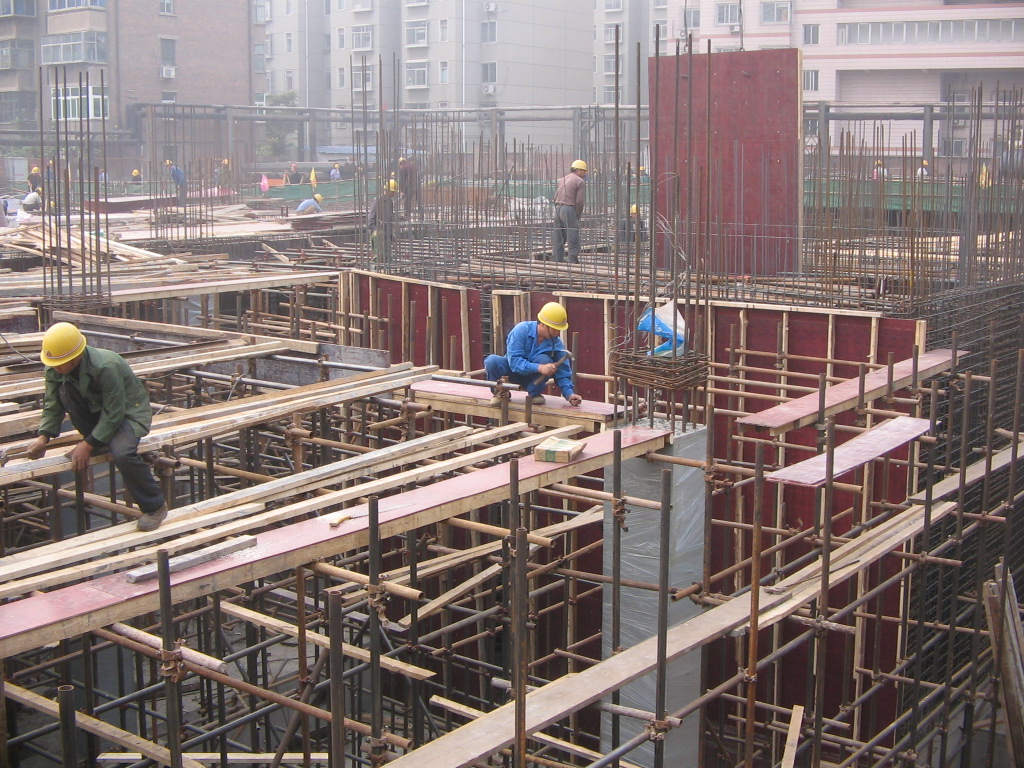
136, 177
380, 220
570, 196
643, 177
294, 175
224, 176
631, 224
33, 201
923, 172
880, 173
107, 404
534, 353
34, 180
335, 172
312, 205
348, 170
178, 179
409, 184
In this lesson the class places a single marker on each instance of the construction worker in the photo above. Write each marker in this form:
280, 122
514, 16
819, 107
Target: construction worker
880, 173
632, 224
312, 205
136, 177
33, 201
569, 199
107, 404
923, 172
380, 220
34, 180
178, 179
534, 353
409, 183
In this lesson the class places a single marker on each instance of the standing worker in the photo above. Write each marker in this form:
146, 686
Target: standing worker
178, 179
34, 180
923, 172
534, 353
107, 404
312, 205
409, 183
381, 221
569, 199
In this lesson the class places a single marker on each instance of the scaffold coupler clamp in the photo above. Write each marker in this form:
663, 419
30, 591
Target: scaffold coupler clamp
378, 599
171, 663
619, 513
657, 730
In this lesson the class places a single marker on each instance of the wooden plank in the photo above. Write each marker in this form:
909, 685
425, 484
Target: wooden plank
842, 396
65, 613
234, 758
793, 737
192, 559
322, 640
856, 452
975, 472
101, 728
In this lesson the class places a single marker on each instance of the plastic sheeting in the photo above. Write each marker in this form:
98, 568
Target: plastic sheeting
640, 548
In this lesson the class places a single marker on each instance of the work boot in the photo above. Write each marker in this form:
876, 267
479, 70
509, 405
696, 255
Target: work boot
151, 520
537, 399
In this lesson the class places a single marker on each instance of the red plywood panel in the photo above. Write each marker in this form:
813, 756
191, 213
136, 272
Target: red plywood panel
729, 127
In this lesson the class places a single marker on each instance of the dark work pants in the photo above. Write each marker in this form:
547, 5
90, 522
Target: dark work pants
496, 366
566, 230
123, 446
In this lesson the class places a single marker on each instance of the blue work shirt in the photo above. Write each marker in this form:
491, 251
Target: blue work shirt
525, 354
305, 205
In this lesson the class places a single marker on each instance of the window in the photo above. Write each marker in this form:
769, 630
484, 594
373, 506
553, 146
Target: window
362, 38
261, 11
362, 5
812, 33
659, 32
416, 74
775, 12
442, 30
442, 72
287, 7
417, 2
341, 77
168, 97
416, 32
74, 47
442, 105
289, 80
489, 72
727, 13
660, 3
609, 94
287, 42
259, 99
953, 147
17, 54
327, 42
73, 102
609, 64
341, 5
489, 32
327, 7
691, 18
613, 5
168, 52
609, 32
166, 6
327, 80
952, 32
17, 7
259, 57
341, 37
362, 78
61, 5
810, 80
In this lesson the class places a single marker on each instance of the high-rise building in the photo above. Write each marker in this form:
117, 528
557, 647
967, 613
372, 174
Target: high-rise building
296, 50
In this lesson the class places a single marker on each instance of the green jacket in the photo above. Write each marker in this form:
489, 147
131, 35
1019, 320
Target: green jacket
112, 393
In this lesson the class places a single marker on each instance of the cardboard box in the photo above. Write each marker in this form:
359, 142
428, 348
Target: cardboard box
558, 449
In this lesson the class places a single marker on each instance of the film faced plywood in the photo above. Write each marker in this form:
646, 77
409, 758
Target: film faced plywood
754, 175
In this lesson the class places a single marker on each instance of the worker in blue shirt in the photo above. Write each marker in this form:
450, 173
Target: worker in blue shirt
312, 205
535, 353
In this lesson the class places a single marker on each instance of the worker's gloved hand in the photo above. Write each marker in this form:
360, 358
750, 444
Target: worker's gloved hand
547, 369
37, 447
574, 399
80, 456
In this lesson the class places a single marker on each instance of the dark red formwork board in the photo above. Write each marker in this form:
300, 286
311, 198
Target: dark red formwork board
67, 612
854, 453
843, 396
756, 129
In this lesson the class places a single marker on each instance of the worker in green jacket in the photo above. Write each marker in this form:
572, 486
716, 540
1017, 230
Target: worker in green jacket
107, 404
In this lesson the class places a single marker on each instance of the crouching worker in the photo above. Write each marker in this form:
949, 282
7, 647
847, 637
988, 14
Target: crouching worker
534, 354
107, 404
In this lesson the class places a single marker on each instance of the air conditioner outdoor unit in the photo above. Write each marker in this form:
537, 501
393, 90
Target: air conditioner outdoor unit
488, 89
734, 28
167, 73
490, 7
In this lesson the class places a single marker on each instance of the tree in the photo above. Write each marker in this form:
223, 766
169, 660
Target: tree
279, 130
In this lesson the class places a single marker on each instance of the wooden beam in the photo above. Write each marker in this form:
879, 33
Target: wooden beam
793, 737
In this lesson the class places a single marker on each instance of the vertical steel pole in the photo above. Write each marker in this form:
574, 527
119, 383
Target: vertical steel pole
520, 668
374, 630
336, 629
172, 693
661, 683
68, 742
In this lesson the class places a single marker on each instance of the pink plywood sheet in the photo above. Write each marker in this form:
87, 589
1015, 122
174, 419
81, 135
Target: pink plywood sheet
854, 453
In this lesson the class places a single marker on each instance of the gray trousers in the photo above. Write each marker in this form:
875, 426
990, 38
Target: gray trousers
566, 230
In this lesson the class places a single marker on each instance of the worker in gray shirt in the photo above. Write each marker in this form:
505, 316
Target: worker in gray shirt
569, 199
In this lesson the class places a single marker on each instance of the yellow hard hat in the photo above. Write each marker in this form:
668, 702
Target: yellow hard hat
35, 169
135, 172
553, 315
167, 162
924, 162
401, 159
319, 198
392, 186
578, 165
642, 169
633, 209
224, 161
62, 343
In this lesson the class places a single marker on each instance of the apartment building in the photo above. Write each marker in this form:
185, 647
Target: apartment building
294, 54
188, 51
